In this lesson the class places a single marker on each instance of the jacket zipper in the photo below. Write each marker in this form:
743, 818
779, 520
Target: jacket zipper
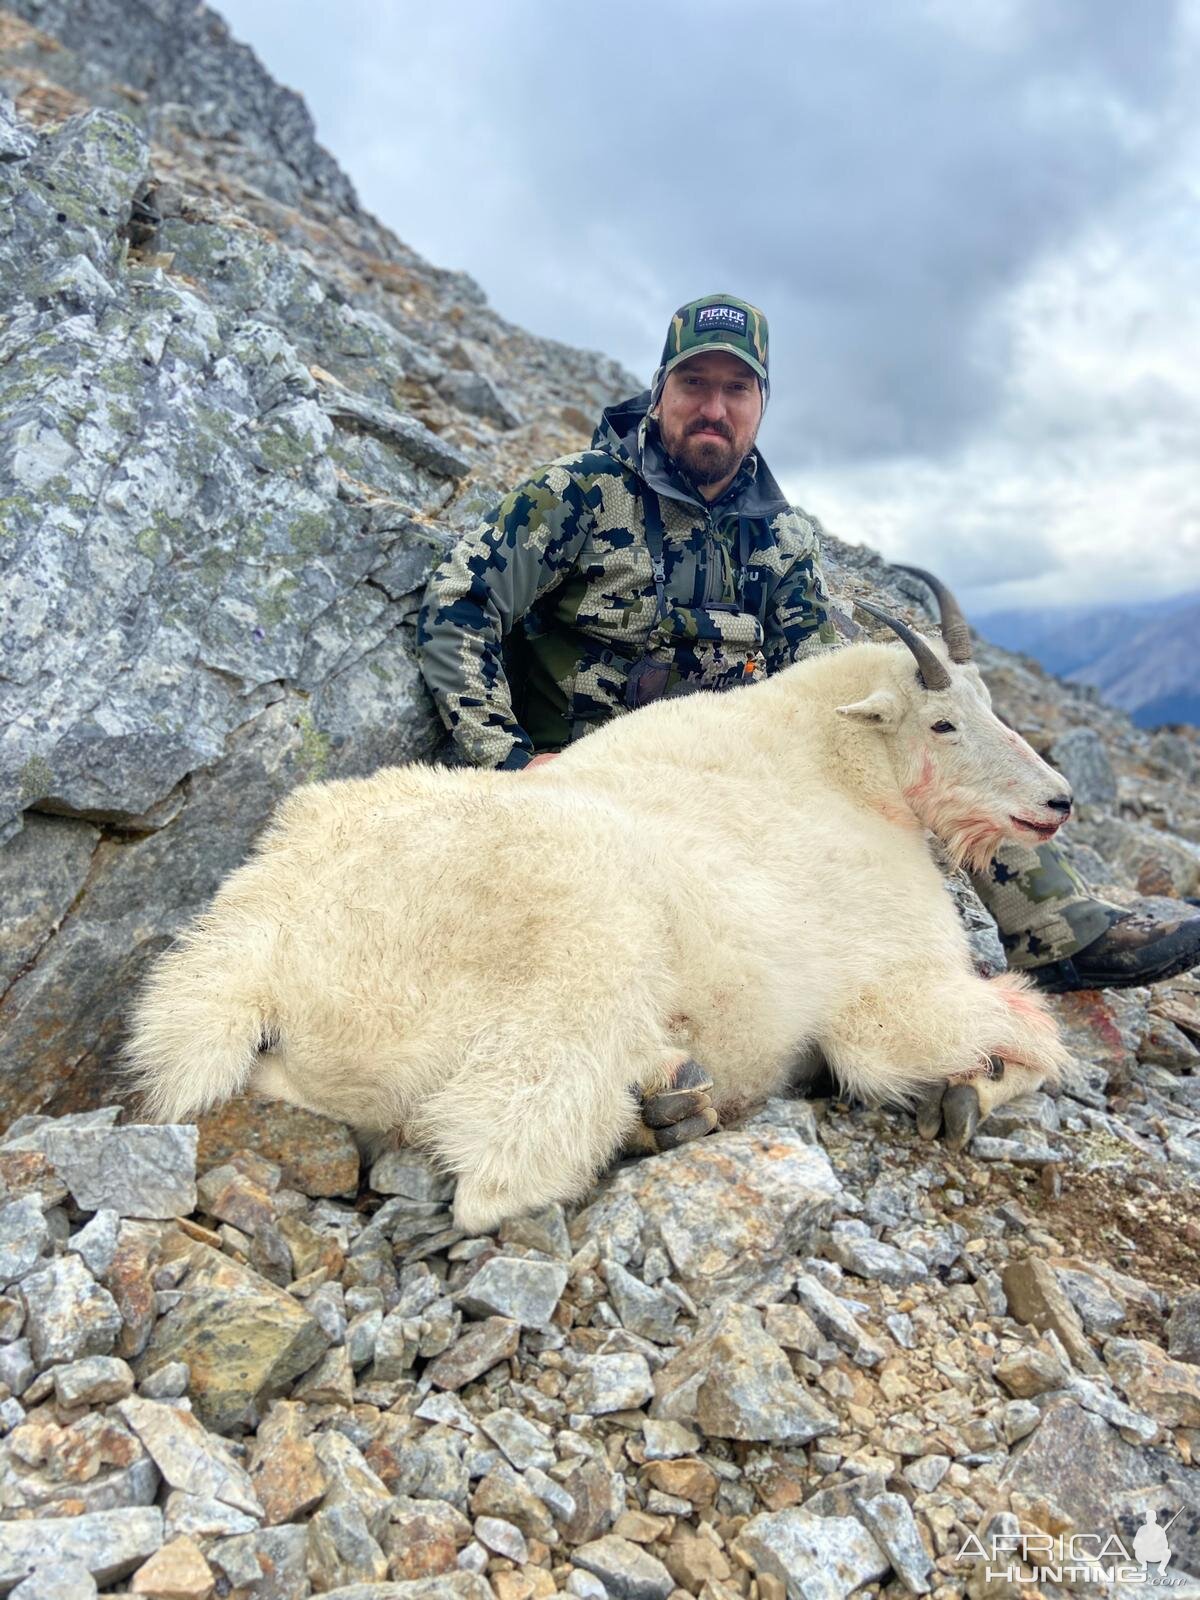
711, 562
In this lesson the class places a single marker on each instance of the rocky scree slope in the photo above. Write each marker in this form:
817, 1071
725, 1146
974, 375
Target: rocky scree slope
238, 422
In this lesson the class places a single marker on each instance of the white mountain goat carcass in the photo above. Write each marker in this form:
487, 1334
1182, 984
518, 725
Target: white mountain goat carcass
494, 966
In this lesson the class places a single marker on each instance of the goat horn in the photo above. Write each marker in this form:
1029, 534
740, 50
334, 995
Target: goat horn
955, 631
932, 668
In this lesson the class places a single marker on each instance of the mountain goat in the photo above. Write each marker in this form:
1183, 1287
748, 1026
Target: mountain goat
495, 966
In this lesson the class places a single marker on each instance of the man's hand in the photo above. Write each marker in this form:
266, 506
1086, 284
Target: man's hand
547, 755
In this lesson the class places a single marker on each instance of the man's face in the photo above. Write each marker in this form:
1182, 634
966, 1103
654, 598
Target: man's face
708, 416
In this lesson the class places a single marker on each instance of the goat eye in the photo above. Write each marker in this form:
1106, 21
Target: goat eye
943, 727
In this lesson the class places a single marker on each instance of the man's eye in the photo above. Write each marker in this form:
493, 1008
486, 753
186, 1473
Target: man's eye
943, 727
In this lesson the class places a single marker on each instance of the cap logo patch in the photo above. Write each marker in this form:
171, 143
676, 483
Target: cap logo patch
723, 319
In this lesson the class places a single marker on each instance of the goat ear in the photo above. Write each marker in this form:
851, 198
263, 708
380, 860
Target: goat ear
881, 710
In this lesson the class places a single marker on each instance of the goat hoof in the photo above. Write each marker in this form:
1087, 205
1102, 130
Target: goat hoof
684, 1132
676, 1105
691, 1075
687, 1097
960, 1109
929, 1112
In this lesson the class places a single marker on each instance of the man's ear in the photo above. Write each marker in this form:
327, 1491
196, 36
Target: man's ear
879, 710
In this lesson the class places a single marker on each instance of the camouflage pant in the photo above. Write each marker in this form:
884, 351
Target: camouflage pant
1041, 905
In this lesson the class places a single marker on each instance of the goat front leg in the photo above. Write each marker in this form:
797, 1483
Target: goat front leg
958, 1107
960, 1104
678, 1113
1001, 1032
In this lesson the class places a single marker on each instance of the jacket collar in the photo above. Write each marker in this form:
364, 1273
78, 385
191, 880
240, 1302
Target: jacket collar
627, 432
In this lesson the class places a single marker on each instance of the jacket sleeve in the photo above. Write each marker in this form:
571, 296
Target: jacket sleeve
475, 598
798, 623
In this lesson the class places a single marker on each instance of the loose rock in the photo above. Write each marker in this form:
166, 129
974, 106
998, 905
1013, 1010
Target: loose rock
68, 1314
189, 1458
1183, 1329
240, 1337
889, 1519
736, 1383
625, 1569
56, 1580
609, 1383
93, 1381
473, 1354
523, 1290
97, 1242
1035, 1296
108, 1543
176, 1572
727, 1206
818, 1558
317, 1156
1168, 1390
133, 1170
24, 1238
836, 1322
646, 1311
871, 1258
341, 1550
524, 1444
270, 1564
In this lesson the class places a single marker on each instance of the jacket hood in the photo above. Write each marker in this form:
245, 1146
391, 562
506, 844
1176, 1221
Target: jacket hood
627, 432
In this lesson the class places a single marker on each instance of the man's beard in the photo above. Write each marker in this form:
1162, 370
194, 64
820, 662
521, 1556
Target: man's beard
704, 461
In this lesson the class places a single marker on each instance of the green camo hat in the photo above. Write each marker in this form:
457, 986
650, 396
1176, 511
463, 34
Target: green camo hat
715, 322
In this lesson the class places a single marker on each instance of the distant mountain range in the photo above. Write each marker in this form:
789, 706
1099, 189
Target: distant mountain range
1143, 657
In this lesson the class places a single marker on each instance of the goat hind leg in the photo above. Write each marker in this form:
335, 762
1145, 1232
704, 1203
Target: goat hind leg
957, 1106
517, 1142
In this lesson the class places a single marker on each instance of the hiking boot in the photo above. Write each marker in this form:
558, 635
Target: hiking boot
1140, 948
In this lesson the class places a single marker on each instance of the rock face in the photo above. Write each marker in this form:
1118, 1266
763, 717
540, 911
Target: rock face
809, 1353
238, 423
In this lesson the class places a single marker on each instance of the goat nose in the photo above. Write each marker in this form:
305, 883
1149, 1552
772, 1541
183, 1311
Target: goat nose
1060, 802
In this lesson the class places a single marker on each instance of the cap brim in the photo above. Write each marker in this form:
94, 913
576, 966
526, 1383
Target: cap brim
705, 349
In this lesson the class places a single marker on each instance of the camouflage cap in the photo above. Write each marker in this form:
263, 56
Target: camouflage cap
715, 322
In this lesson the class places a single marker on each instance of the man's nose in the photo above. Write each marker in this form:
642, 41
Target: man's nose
713, 404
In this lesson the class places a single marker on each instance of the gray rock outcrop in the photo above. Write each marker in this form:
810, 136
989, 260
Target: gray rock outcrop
239, 421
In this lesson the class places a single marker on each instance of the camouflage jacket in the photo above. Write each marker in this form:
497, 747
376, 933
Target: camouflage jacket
531, 624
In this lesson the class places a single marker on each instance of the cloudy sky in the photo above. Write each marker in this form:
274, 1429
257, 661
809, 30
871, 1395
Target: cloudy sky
974, 227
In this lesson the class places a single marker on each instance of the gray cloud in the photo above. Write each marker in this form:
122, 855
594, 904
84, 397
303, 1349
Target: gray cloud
873, 176
883, 180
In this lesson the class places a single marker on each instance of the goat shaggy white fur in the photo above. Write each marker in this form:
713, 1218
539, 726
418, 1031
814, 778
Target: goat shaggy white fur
490, 965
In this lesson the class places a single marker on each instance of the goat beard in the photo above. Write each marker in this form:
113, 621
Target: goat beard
970, 839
